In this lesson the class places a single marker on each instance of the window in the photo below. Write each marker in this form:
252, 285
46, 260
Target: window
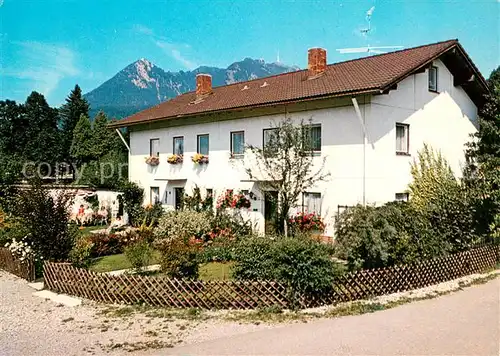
312, 138
433, 79
154, 147
202, 145
401, 196
179, 145
238, 143
154, 195
402, 139
270, 140
311, 203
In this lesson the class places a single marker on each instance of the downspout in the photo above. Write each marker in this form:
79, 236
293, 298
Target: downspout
361, 118
123, 139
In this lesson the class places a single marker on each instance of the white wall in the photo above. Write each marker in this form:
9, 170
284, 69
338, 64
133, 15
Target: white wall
443, 120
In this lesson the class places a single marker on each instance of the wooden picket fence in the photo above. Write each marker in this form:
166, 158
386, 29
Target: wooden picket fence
10, 263
163, 291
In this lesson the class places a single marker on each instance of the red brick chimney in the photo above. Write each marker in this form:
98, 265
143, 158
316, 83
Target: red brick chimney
203, 84
316, 61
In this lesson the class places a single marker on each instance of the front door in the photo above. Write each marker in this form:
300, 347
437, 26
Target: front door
270, 211
178, 195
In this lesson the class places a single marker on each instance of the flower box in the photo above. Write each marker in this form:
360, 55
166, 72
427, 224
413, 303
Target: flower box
199, 158
175, 159
153, 160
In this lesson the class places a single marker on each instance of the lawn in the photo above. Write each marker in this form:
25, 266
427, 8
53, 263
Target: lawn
208, 271
87, 229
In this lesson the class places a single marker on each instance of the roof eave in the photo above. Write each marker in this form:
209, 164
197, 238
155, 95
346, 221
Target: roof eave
374, 90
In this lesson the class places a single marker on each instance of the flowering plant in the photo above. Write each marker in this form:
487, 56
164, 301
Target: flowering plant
22, 249
175, 159
153, 160
307, 222
231, 200
200, 159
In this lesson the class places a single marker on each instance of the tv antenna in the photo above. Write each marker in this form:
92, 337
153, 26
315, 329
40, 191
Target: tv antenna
369, 50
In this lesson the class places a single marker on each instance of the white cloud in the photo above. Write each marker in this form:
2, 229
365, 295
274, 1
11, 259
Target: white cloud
171, 49
45, 65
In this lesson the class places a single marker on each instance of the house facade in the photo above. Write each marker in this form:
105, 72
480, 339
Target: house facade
369, 119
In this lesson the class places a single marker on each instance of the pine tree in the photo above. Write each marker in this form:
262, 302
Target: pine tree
105, 141
81, 147
13, 128
42, 134
70, 114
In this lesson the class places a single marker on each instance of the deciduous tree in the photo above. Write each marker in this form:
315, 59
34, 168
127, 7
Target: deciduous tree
287, 165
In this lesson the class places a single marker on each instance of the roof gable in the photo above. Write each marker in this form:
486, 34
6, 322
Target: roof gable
374, 74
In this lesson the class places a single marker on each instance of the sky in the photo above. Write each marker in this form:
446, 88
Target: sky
51, 45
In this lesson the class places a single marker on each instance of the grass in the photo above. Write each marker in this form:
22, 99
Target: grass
116, 262
216, 271
208, 271
87, 229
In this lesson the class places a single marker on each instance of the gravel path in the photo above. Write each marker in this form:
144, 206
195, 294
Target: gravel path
462, 323
465, 322
30, 325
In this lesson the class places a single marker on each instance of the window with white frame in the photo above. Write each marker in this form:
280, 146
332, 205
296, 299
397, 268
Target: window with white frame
202, 146
178, 145
237, 143
433, 78
154, 196
312, 137
402, 138
154, 147
402, 196
311, 202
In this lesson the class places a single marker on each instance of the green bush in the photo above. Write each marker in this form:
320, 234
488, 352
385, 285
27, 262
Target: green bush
179, 259
178, 237
219, 249
443, 201
45, 217
139, 254
304, 265
224, 224
80, 255
132, 198
370, 237
182, 225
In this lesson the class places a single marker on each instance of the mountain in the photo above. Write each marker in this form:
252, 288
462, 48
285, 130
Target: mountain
142, 84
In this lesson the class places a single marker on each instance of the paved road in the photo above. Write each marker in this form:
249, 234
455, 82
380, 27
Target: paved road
463, 323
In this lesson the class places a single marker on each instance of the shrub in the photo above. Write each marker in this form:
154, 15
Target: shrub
219, 249
367, 237
46, 218
182, 225
306, 222
443, 201
132, 199
104, 244
81, 254
179, 259
304, 265
226, 225
11, 228
178, 237
139, 254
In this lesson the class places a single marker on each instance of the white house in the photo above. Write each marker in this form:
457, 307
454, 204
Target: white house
371, 116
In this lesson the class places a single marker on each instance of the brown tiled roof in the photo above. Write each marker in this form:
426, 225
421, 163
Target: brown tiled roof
365, 75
